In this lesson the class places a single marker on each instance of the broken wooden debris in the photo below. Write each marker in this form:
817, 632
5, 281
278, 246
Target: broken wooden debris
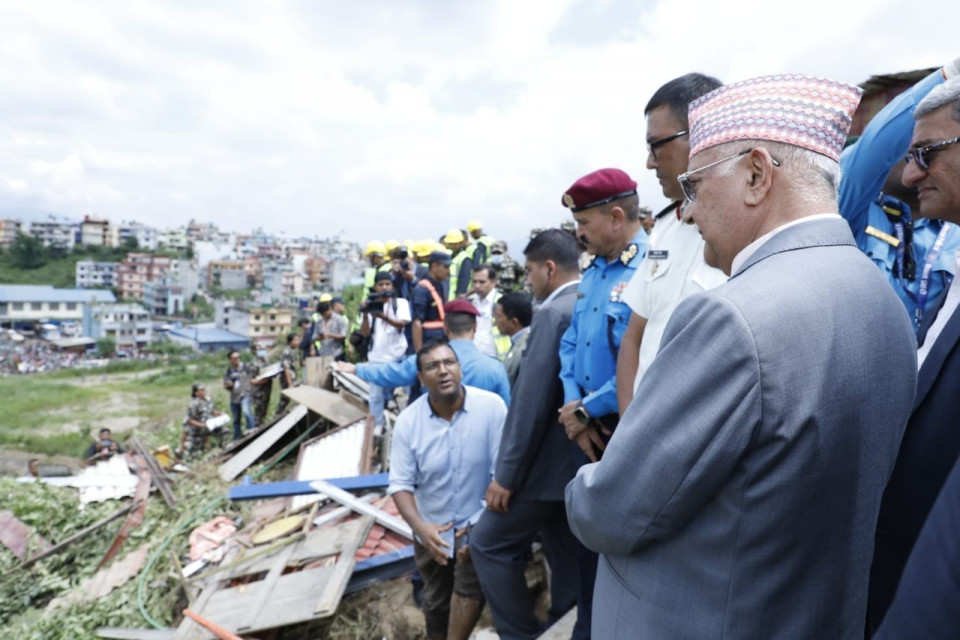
160, 478
325, 403
256, 449
380, 568
270, 371
349, 500
265, 593
19, 537
258, 491
104, 580
80, 535
135, 517
219, 632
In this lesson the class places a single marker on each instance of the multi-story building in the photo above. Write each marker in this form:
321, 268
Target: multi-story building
95, 232
262, 325
95, 275
9, 228
136, 270
227, 274
317, 274
175, 239
26, 304
165, 297
57, 234
128, 324
146, 237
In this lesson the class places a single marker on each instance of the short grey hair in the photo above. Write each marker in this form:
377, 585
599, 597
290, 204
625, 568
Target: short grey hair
947, 94
809, 170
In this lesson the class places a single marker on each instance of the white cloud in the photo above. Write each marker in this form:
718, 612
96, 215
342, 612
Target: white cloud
390, 120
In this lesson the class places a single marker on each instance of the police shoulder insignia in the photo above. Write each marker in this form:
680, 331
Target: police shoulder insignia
568, 201
629, 253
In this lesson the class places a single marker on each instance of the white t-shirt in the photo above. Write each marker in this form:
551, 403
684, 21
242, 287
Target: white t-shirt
672, 270
389, 344
484, 336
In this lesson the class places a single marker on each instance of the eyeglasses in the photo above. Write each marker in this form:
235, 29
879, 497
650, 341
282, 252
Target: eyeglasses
922, 155
653, 146
434, 365
690, 188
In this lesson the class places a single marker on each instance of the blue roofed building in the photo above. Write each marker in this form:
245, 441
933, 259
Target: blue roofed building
22, 305
207, 338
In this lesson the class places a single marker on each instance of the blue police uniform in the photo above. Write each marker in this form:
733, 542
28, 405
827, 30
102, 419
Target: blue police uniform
589, 347
916, 256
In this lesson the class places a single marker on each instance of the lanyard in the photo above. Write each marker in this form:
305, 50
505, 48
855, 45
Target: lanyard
932, 256
901, 248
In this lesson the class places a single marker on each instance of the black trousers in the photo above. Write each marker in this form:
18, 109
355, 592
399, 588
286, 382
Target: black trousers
499, 546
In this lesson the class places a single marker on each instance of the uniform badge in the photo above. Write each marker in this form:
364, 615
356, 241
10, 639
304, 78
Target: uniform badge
658, 254
616, 294
568, 201
629, 254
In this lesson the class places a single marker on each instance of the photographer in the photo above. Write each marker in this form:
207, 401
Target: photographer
385, 316
405, 271
102, 449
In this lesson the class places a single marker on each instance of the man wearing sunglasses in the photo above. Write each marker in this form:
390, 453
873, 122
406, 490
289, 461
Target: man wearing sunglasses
914, 251
738, 498
674, 267
931, 443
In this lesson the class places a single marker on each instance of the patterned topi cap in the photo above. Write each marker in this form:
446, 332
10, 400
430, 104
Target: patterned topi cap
807, 112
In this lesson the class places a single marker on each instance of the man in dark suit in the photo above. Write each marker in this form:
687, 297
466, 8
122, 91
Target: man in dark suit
535, 461
931, 442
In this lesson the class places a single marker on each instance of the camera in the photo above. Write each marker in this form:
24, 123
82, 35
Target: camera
376, 301
404, 254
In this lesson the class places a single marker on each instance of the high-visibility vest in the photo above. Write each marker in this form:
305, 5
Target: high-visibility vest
487, 242
501, 342
455, 270
433, 324
370, 275
315, 317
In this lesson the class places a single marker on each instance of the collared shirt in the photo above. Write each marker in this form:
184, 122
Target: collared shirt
518, 335
336, 325
883, 226
589, 347
672, 270
741, 258
477, 369
559, 290
447, 466
950, 304
484, 335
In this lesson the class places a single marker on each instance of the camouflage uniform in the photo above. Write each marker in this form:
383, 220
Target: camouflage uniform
199, 409
261, 392
510, 275
288, 362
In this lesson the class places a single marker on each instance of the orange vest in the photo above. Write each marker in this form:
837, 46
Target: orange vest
433, 324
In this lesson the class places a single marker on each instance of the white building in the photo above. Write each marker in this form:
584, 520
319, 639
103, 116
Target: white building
175, 239
52, 233
95, 275
128, 324
147, 238
9, 228
27, 304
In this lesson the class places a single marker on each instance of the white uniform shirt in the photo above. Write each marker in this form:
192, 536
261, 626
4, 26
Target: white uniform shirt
950, 305
672, 270
484, 336
389, 344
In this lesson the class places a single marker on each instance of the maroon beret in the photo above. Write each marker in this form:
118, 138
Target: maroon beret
460, 306
597, 188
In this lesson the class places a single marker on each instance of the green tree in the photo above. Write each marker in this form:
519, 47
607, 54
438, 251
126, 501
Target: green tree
106, 346
130, 243
28, 252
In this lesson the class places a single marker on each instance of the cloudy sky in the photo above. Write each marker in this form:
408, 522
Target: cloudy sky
394, 119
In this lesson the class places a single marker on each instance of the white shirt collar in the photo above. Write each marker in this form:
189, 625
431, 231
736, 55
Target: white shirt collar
557, 291
745, 253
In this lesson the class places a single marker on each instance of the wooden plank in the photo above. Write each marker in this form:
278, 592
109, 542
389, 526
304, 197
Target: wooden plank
259, 491
269, 371
326, 403
135, 517
160, 479
326, 604
130, 633
349, 500
270, 582
246, 457
75, 537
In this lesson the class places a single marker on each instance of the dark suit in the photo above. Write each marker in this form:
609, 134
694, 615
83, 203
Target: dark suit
536, 461
927, 604
929, 450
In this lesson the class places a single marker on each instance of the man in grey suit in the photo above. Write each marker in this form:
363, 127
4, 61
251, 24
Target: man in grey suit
536, 460
512, 315
738, 499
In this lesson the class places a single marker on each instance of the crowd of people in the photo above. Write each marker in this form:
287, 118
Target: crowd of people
737, 418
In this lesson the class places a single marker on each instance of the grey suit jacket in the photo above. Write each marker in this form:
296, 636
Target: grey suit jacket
536, 459
738, 497
512, 360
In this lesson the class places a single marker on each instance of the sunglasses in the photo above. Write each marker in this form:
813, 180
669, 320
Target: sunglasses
922, 155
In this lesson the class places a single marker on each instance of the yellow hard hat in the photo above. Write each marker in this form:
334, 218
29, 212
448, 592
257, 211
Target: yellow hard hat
474, 225
411, 245
374, 246
391, 245
454, 236
326, 297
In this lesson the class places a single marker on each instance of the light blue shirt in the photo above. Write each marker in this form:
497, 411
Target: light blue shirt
447, 466
874, 220
478, 370
589, 347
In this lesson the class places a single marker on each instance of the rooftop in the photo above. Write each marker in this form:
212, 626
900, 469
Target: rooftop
47, 293
208, 335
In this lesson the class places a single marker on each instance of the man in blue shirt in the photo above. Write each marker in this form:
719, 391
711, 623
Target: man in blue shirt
442, 458
606, 208
479, 370
915, 253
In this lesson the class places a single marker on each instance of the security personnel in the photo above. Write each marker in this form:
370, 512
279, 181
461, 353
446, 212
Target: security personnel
481, 241
915, 254
316, 328
375, 252
428, 301
606, 207
461, 265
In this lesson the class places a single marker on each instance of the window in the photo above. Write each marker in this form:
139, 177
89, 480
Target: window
17, 306
256, 318
71, 306
36, 306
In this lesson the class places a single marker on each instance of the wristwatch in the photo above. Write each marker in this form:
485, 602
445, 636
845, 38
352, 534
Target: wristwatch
581, 414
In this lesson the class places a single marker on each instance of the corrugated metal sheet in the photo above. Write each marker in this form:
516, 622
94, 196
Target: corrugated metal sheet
107, 480
338, 454
46, 293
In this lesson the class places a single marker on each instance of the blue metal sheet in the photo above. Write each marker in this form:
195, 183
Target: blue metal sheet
250, 491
